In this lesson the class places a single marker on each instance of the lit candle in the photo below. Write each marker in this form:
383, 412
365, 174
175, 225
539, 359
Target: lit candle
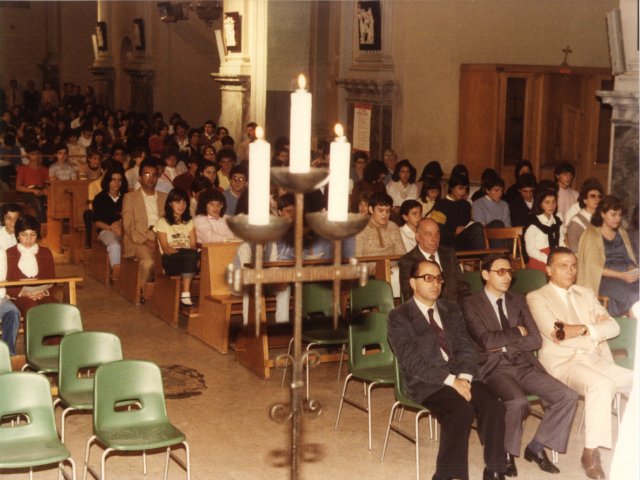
259, 177
300, 132
340, 154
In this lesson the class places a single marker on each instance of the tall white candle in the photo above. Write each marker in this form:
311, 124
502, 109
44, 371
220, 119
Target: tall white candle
340, 154
300, 132
259, 177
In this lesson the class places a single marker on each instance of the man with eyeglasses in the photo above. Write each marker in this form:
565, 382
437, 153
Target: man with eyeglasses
438, 364
575, 329
428, 248
140, 212
502, 327
237, 186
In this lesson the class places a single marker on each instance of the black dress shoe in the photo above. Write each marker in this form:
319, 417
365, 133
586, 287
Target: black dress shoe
542, 460
491, 475
511, 470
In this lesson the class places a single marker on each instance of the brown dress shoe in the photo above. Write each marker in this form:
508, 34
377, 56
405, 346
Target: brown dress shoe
591, 463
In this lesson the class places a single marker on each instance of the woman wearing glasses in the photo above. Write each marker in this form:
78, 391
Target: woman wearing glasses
590, 195
606, 262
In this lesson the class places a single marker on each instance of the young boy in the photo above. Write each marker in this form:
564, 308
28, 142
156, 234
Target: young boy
490, 210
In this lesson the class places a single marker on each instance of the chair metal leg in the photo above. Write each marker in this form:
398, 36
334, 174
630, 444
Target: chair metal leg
344, 390
30, 469
386, 435
417, 429
86, 456
286, 363
369, 413
342, 352
103, 462
62, 474
62, 422
144, 462
307, 368
166, 463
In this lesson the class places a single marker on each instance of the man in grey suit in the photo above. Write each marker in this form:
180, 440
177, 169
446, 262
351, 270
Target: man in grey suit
502, 326
428, 248
438, 363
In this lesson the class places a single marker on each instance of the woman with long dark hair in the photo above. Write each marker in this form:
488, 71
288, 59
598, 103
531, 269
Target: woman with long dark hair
543, 233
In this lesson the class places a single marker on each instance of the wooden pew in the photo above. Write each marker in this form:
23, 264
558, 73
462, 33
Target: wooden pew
128, 285
60, 208
165, 302
79, 193
97, 262
69, 295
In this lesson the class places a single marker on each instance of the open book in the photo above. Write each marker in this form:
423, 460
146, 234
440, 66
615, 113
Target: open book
35, 289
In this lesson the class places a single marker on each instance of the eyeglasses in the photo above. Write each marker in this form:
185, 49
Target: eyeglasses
236, 178
594, 195
559, 328
503, 271
427, 277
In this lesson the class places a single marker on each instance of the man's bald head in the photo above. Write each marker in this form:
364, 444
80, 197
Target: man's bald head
428, 235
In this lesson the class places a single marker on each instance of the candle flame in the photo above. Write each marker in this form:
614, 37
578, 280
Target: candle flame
339, 130
302, 82
259, 133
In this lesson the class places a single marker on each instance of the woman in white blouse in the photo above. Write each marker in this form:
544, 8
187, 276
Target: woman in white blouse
543, 232
211, 226
403, 184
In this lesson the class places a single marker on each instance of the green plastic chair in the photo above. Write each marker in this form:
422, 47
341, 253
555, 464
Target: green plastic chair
80, 354
130, 415
404, 402
5, 358
474, 279
376, 294
44, 321
623, 346
28, 437
527, 280
317, 326
370, 360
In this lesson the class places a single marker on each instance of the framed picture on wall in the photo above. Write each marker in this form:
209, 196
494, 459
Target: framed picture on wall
138, 34
232, 28
369, 25
101, 36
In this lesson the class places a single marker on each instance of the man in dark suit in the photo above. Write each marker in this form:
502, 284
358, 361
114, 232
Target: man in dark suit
502, 326
428, 248
439, 366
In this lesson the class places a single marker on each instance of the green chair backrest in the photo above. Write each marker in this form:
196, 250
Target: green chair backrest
474, 279
375, 294
27, 395
527, 280
5, 358
317, 298
626, 341
125, 383
368, 343
49, 320
82, 351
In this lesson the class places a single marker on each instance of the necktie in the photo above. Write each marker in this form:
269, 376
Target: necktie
504, 323
442, 340
574, 319
432, 257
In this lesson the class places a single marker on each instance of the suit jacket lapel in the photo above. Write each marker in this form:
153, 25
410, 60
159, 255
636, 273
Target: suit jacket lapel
512, 315
488, 314
420, 323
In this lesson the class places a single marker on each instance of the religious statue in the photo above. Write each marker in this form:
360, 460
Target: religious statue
365, 23
229, 31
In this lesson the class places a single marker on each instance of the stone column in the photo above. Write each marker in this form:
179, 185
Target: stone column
624, 154
103, 85
235, 91
141, 90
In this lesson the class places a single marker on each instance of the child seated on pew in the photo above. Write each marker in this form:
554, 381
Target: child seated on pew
177, 238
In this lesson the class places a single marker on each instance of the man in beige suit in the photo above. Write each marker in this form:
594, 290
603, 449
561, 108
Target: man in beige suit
141, 209
575, 329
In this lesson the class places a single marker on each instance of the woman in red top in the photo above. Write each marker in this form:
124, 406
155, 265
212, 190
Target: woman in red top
28, 260
31, 181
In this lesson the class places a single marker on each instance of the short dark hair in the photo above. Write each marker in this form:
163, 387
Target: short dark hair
608, 202
415, 268
239, 169
458, 180
564, 167
252, 125
460, 169
401, 164
357, 155
489, 260
9, 207
286, 200
106, 178
558, 251
588, 185
520, 165
169, 152
176, 195
526, 180
200, 183
227, 141
61, 146
226, 153
380, 199
541, 194
148, 162
192, 132
373, 170
27, 222
492, 180
208, 196
408, 205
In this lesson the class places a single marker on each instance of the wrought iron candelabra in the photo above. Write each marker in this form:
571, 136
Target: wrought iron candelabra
299, 184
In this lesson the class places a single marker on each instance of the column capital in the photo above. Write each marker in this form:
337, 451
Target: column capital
230, 81
624, 103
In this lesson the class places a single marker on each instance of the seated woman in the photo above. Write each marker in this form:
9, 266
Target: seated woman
590, 195
372, 182
177, 238
27, 261
606, 262
543, 233
403, 184
107, 214
211, 226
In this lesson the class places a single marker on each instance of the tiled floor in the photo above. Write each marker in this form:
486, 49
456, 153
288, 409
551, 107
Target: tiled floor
228, 427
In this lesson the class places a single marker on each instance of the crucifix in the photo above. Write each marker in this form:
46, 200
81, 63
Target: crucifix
566, 50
